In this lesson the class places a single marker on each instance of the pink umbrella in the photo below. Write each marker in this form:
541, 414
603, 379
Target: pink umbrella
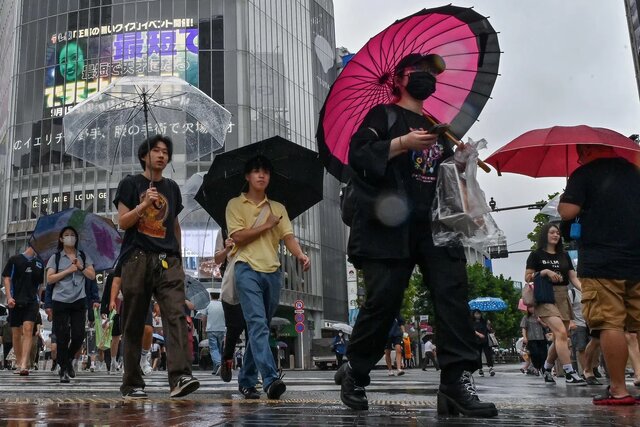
551, 152
462, 37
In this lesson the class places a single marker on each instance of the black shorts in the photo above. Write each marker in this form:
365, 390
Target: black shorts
116, 331
155, 355
53, 338
47, 355
23, 313
392, 342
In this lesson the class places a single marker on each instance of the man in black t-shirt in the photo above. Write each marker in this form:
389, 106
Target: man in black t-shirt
605, 194
148, 207
22, 276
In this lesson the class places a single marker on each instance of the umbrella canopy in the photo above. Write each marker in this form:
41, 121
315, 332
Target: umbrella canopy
551, 152
204, 343
462, 37
296, 179
98, 237
343, 327
279, 321
158, 337
487, 304
189, 191
551, 208
282, 344
107, 128
197, 293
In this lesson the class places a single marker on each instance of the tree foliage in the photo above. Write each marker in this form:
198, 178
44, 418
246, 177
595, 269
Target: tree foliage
540, 220
482, 283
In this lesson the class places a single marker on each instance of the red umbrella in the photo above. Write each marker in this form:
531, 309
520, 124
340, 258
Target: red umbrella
462, 37
550, 152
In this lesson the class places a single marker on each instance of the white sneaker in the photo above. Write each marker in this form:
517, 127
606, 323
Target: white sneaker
146, 366
399, 373
391, 373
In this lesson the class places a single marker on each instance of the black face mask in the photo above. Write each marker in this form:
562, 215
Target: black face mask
421, 85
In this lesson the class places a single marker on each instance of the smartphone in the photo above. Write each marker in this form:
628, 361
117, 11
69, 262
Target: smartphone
440, 128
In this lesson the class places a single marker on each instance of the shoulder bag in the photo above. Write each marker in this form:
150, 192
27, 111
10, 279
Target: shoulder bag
228, 292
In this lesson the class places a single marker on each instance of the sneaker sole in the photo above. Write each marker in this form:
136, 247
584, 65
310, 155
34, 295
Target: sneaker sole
188, 389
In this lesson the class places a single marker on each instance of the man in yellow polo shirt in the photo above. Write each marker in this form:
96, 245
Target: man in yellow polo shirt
256, 225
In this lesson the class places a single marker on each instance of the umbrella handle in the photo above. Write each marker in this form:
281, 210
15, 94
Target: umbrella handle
482, 165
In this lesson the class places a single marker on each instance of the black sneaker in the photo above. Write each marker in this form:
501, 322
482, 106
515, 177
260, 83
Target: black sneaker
226, 370
596, 373
548, 377
133, 394
64, 377
351, 394
481, 372
249, 392
461, 398
276, 389
186, 384
591, 380
572, 378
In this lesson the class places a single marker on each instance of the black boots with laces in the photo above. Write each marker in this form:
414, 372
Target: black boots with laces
461, 398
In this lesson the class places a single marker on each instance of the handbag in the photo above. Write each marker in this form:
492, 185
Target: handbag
543, 290
528, 297
228, 292
493, 341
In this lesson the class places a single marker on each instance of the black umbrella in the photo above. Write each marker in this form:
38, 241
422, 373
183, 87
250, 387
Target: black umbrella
296, 179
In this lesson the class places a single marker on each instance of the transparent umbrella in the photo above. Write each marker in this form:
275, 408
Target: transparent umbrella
107, 128
279, 321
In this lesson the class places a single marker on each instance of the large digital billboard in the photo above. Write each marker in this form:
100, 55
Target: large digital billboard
82, 62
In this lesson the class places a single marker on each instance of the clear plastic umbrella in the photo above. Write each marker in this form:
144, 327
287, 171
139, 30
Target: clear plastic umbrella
343, 327
551, 208
107, 128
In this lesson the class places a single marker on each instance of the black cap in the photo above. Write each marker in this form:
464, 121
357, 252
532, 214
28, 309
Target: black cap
435, 61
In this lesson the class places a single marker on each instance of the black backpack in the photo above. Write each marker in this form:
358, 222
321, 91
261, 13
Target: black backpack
347, 193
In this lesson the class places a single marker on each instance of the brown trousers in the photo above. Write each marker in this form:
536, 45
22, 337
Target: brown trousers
143, 276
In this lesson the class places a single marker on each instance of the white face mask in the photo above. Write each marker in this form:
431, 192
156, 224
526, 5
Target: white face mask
69, 240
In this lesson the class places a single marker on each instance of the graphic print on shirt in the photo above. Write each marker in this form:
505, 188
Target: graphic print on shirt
151, 222
424, 162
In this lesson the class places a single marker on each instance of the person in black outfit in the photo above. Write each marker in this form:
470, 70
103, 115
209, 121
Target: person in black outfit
148, 207
481, 327
396, 166
605, 194
22, 276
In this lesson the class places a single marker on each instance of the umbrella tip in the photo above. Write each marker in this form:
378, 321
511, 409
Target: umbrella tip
384, 78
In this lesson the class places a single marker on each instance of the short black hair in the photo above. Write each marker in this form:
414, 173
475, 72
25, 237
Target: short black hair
258, 162
150, 143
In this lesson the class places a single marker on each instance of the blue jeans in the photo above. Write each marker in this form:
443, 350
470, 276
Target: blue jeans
216, 338
259, 294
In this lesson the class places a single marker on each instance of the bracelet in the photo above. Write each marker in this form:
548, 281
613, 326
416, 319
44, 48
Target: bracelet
137, 209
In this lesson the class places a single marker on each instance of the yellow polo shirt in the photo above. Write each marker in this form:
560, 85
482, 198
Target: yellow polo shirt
262, 253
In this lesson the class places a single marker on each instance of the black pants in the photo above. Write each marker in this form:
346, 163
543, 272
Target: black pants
234, 321
429, 356
537, 352
6, 348
68, 325
445, 275
488, 354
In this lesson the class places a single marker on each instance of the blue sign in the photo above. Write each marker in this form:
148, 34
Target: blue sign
299, 327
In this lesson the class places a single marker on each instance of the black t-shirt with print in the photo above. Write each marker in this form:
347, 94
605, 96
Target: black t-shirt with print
558, 263
154, 231
26, 277
420, 168
423, 165
608, 193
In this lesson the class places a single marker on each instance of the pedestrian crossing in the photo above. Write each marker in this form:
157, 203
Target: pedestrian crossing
95, 384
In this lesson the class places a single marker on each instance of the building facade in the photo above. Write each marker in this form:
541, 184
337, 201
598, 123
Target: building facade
269, 62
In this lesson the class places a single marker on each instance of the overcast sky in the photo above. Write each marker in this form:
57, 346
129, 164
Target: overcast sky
565, 63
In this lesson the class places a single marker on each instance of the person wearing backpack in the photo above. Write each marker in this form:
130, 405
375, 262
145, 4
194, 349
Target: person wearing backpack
67, 273
22, 277
395, 169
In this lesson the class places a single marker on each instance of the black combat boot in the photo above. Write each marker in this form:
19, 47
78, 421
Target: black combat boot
351, 394
461, 398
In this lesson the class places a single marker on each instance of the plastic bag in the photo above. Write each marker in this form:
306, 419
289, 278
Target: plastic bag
103, 330
460, 213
